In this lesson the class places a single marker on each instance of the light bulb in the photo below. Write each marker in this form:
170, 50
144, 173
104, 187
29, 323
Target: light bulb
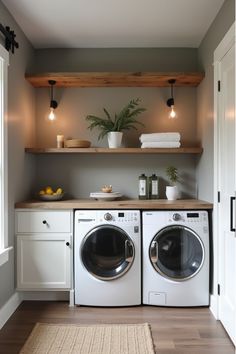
172, 113
51, 115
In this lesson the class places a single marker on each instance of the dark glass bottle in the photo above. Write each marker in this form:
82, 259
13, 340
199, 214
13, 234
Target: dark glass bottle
142, 187
153, 187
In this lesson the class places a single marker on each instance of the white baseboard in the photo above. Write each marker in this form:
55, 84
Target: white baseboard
45, 295
10, 306
213, 306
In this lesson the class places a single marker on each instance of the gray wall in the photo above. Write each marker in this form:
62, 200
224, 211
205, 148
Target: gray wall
205, 97
21, 132
116, 59
81, 174
86, 174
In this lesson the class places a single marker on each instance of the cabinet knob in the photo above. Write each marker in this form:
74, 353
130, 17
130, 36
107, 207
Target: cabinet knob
44, 222
67, 243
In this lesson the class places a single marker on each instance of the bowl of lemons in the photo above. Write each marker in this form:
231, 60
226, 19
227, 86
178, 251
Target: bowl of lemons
48, 194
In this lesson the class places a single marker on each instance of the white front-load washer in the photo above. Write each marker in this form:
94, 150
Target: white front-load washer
176, 258
107, 257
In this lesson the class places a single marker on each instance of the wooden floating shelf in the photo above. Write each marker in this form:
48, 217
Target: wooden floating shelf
116, 79
94, 150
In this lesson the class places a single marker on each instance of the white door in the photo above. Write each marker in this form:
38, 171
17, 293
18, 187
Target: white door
226, 186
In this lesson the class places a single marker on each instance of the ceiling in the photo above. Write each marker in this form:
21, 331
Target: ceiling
114, 23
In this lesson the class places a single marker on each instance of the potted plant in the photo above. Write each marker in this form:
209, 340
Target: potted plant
172, 192
114, 127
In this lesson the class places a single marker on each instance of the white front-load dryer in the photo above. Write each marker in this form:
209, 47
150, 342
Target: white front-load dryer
107, 257
176, 258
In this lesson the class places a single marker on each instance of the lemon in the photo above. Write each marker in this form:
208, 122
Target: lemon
42, 192
48, 190
59, 191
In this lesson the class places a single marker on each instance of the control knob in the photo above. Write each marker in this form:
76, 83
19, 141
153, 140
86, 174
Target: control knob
176, 217
108, 217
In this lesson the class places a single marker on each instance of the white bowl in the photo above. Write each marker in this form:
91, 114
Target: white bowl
105, 196
49, 197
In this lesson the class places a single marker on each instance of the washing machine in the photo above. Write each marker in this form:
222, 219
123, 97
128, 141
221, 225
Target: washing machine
176, 258
107, 257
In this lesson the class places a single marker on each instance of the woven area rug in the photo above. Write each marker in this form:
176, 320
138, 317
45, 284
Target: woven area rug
90, 339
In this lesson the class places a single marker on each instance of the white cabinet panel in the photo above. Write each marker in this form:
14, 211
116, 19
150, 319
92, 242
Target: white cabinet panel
44, 241
44, 261
43, 221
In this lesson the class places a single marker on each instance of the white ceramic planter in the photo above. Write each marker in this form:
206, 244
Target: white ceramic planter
172, 192
114, 139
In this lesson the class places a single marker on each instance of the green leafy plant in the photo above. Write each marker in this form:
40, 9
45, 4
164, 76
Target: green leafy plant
172, 174
125, 120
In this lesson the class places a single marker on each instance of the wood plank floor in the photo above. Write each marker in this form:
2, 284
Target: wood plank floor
174, 330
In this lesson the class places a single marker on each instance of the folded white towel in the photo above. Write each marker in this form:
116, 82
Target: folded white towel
159, 137
161, 144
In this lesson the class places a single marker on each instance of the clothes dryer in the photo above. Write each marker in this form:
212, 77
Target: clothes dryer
176, 258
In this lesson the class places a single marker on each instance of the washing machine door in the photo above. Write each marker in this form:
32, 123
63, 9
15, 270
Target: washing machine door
107, 252
177, 252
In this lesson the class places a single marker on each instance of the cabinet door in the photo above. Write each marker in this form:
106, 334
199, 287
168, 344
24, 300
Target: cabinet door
44, 261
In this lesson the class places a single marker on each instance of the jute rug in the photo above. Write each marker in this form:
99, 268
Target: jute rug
90, 339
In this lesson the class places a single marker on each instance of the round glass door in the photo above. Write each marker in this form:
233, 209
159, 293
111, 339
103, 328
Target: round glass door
177, 252
107, 252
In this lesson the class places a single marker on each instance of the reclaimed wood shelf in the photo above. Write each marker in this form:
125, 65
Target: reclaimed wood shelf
116, 79
96, 150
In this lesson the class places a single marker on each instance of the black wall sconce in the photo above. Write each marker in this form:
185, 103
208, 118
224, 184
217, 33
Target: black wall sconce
53, 103
171, 102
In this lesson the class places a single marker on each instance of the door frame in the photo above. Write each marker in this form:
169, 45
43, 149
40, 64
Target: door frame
225, 45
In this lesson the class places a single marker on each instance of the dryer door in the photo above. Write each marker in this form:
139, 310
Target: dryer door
107, 252
176, 252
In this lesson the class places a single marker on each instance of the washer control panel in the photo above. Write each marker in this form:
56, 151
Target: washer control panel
119, 216
89, 217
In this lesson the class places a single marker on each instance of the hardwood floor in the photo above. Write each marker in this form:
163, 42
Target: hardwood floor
174, 330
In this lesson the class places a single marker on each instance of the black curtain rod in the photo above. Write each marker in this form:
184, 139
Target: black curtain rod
10, 43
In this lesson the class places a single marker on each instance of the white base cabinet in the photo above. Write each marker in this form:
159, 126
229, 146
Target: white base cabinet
44, 243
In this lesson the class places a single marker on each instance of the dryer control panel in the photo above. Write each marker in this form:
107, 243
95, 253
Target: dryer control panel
188, 216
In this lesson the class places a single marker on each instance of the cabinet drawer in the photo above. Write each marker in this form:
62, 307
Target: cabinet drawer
43, 221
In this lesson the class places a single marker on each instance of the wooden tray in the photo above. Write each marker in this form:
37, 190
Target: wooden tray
76, 143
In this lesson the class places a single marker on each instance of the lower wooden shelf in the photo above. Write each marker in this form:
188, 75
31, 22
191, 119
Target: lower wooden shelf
96, 150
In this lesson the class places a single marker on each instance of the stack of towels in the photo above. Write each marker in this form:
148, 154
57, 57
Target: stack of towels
160, 140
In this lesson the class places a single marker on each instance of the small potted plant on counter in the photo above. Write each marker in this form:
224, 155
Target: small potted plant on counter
172, 192
114, 127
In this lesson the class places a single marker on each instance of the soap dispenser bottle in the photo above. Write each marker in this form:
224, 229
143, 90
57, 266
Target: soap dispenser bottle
153, 193
142, 186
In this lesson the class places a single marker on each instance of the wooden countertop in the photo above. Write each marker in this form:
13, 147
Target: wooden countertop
181, 204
